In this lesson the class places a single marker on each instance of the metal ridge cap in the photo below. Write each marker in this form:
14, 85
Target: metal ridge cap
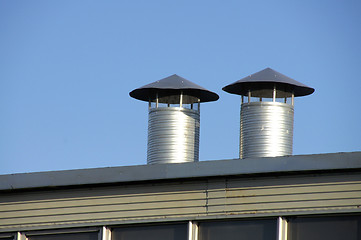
139, 173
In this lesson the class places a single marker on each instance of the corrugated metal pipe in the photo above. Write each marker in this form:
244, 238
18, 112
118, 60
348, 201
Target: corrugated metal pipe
174, 118
266, 121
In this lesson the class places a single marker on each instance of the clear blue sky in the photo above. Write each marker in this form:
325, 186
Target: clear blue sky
66, 68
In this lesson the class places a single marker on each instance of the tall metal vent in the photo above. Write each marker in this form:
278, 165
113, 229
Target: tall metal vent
267, 112
174, 118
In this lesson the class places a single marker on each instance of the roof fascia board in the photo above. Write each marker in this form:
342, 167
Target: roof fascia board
297, 163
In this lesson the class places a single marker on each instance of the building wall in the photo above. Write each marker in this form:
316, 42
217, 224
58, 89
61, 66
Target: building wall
177, 200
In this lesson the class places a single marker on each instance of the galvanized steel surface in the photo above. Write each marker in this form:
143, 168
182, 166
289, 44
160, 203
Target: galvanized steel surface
173, 135
266, 129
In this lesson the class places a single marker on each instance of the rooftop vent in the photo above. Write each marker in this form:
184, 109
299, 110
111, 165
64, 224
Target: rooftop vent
174, 118
267, 112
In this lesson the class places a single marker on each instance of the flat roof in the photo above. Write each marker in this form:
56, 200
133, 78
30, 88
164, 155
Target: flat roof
230, 167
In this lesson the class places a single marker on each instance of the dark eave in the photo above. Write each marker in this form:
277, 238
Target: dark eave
111, 175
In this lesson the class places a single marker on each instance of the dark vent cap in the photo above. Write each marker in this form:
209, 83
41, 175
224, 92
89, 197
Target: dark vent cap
172, 85
268, 79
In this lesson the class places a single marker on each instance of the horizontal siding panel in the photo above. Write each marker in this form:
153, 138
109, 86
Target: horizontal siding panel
279, 195
60, 223
293, 197
294, 181
99, 201
103, 208
111, 215
219, 211
104, 204
275, 206
137, 190
197, 198
288, 189
276, 203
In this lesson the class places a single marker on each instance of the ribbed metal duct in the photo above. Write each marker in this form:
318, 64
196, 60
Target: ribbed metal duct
267, 117
173, 135
266, 129
174, 118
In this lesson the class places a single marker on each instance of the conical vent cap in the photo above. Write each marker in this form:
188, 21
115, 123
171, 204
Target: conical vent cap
172, 85
267, 79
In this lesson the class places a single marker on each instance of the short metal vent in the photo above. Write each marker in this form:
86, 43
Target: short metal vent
266, 122
174, 118
173, 135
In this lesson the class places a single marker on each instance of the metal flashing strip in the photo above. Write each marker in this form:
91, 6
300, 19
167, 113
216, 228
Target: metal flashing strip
274, 165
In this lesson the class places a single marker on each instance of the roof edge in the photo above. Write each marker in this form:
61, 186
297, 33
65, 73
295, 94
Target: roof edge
67, 178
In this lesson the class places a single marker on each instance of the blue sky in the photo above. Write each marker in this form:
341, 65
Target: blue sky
66, 68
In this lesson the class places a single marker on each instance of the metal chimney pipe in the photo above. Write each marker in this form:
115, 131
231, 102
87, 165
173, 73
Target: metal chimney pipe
174, 118
266, 122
